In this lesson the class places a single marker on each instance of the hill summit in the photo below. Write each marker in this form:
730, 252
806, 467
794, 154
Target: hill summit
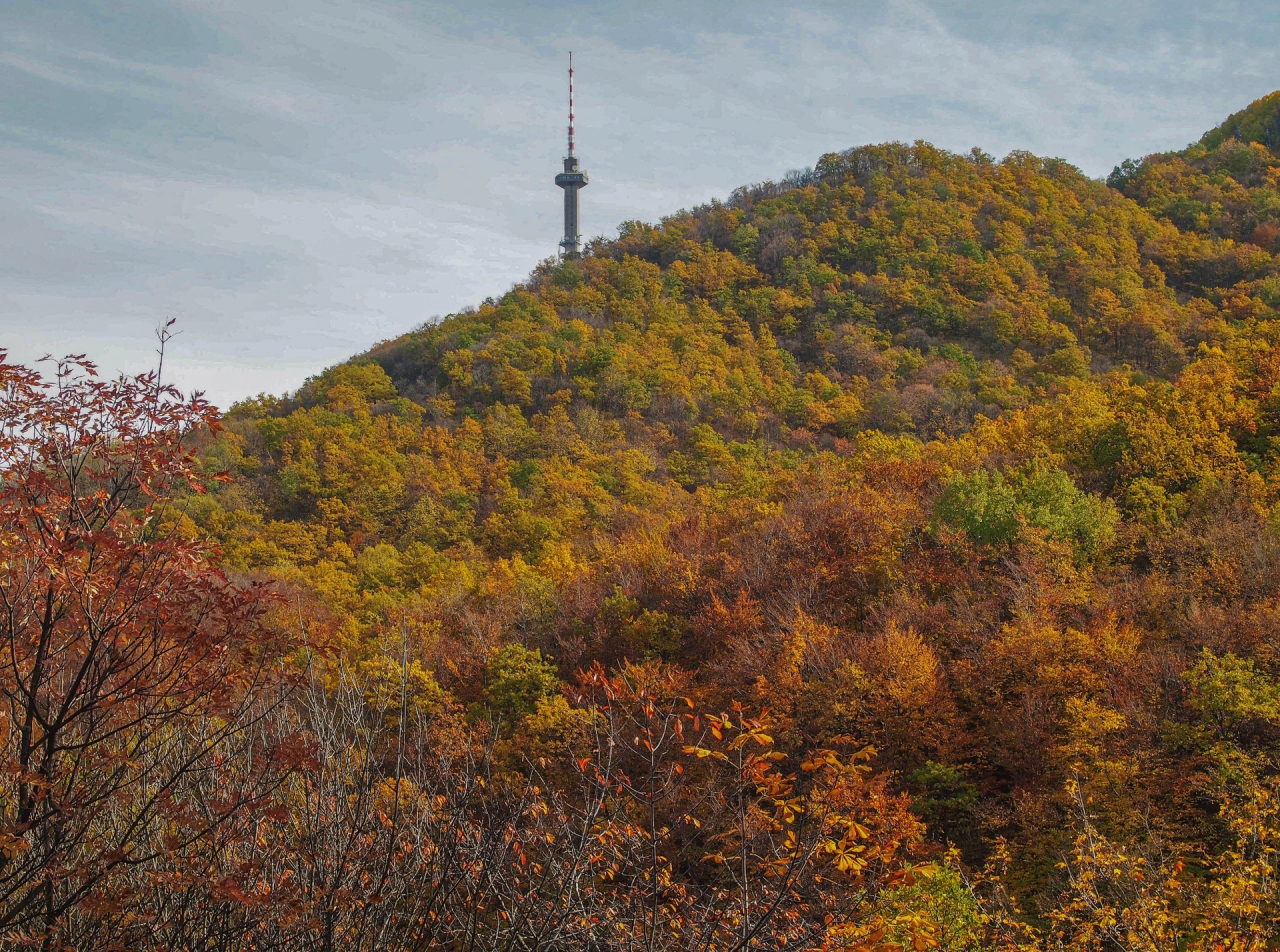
1259, 123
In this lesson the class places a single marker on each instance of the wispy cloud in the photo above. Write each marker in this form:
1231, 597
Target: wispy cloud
297, 179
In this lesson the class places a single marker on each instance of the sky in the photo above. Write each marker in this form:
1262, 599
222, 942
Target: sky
296, 180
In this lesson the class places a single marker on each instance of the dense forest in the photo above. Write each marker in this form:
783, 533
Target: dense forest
884, 558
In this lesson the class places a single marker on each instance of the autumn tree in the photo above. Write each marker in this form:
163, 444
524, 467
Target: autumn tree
134, 678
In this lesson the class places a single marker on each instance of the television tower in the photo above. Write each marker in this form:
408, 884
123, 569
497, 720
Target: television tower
571, 179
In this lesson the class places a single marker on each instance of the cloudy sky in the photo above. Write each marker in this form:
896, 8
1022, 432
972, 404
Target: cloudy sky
294, 180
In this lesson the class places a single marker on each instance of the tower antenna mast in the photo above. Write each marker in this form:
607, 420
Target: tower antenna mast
572, 179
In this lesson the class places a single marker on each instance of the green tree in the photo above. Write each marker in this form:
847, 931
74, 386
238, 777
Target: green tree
517, 678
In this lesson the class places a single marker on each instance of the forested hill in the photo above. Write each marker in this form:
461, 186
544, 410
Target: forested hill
972, 459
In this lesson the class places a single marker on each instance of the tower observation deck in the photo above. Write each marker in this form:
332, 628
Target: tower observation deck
571, 180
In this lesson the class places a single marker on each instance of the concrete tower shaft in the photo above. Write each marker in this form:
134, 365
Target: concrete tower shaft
571, 180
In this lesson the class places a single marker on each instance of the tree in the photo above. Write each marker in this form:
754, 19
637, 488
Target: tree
706, 841
133, 676
518, 679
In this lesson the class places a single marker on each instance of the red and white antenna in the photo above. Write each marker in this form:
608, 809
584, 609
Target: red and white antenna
571, 102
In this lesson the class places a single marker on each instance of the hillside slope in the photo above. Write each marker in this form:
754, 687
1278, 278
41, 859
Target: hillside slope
975, 460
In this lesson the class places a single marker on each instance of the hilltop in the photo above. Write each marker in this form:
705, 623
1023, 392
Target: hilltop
972, 459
